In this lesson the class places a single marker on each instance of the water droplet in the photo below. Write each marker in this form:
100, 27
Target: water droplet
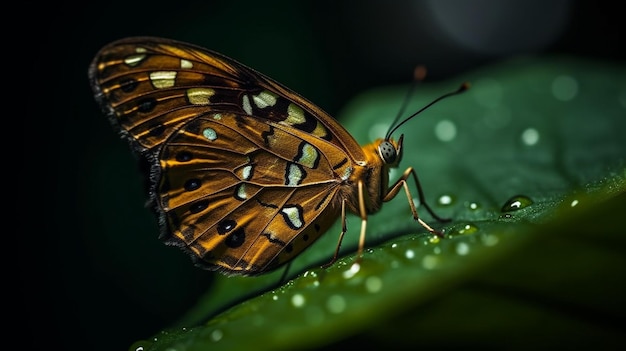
445, 130
574, 203
354, 269
516, 203
564, 88
473, 206
489, 240
430, 261
140, 345
336, 304
216, 335
409, 254
445, 200
462, 249
465, 229
298, 300
373, 284
530, 136
434, 239
275, 297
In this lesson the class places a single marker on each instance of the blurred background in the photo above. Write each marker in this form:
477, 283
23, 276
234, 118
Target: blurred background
98, 278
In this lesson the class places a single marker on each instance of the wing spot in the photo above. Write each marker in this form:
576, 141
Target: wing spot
246, 172
210, 134
192, 184
199, 206
226, 226
134, 60
184, 156
163, 79
295, 115
128, 85
294, 174
200, 96
240, 192
293, 216
235, 239
320, 131
158, 130
264, 99
308, 155
247, 108
146, 105
338, 165
185, 64
346, 173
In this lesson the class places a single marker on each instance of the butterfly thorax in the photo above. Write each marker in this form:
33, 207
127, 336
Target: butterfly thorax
381, 155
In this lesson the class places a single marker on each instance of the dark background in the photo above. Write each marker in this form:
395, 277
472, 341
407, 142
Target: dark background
92, 273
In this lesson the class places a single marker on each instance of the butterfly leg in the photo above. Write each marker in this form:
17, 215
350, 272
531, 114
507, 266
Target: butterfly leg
343, 232
402, 183
363, 215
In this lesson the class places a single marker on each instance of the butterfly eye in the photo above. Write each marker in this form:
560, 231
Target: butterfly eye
388, 152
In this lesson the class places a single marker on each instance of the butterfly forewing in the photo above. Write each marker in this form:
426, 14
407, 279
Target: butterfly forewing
245, 173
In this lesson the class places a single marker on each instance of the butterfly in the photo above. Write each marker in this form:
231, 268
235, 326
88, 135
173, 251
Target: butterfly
244, 173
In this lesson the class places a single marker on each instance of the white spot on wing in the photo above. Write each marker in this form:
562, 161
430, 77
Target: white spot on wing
134, 60
200, 96
246, 172
265, 99
185, 64
309, 155
163, 79
295, 115
293, 215
294, 175
346, 173
246, 105
241, 192
210, 134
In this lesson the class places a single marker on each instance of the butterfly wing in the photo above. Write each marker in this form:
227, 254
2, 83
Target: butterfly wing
244, 172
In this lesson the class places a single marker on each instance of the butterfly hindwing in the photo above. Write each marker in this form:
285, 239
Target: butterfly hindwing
244, 204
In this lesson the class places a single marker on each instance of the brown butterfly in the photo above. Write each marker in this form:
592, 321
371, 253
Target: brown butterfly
244, 173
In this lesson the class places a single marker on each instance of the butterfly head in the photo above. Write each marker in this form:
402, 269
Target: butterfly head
390, 151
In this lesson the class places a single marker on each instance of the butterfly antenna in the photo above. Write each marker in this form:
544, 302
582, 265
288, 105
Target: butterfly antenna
418, 76
462, 88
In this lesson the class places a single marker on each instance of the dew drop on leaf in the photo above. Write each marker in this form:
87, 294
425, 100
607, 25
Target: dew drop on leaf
516, 203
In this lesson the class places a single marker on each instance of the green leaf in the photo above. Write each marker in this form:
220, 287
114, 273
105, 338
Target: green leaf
530, 165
